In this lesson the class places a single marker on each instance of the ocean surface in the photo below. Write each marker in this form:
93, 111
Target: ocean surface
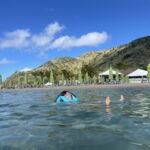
29, 120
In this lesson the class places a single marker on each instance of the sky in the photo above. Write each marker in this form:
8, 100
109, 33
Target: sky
35, 31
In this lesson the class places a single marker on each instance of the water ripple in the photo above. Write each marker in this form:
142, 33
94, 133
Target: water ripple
30, 120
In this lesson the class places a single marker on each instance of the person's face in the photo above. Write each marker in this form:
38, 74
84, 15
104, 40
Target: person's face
68, 95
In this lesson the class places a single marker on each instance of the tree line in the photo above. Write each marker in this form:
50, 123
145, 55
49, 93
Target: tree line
87, 75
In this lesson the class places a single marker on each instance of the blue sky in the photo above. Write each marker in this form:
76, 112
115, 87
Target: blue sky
35, 31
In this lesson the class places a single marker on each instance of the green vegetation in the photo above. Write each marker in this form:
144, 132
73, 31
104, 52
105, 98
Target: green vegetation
86, 78
25, 79
80, 78
117, 75
62, 80
122, 78
86, 68
148, 70
51, 77
0, 79
126, 79
94, 80
110, 74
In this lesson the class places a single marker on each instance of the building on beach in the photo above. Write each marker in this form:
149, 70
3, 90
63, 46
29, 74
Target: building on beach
105, 75
138, 76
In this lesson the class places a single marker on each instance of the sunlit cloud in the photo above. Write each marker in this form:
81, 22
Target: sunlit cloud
5, 61
15, 39
49, 39
89, 39
47, 35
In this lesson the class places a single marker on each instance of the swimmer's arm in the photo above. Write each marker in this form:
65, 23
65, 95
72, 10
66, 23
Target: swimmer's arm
59, 100
75, 99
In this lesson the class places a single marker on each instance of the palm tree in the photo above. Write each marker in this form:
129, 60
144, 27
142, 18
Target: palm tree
99, 79
19, 81
94, 79
25, 79
80, 77
45, 80
117, 75
126, 79
62, 78
38, 81
10, 83
122, 78
86, 78
148, 72
0, 81
51, 77
110, 74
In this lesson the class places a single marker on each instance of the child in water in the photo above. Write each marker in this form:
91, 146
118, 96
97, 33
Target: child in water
66, 96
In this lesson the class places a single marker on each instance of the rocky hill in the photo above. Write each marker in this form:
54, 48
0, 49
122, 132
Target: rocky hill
125, 58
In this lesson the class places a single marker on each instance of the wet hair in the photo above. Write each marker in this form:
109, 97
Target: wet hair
64, 92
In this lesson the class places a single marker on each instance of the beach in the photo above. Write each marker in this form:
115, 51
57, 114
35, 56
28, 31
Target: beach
127, 85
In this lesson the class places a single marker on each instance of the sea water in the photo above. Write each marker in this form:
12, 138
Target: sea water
29, 120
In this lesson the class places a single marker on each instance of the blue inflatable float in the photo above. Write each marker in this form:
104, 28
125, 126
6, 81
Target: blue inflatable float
66, 97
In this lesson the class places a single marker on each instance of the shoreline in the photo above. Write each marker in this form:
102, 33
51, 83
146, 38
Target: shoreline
103, 86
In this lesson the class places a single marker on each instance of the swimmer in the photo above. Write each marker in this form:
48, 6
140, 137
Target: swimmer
122, 98
67, 95
108, 101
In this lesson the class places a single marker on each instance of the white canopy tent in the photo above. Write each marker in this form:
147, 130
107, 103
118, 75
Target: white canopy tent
106, 73
138, 76
48, 84
138, 73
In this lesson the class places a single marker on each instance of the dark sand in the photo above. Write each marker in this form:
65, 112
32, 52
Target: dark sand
85, 86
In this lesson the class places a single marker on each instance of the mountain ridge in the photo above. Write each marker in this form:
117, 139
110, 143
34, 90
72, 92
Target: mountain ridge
126, 58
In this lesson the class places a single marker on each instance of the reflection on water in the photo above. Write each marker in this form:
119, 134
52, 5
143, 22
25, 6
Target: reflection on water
30, 120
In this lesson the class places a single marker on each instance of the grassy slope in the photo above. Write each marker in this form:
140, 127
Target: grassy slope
126, 58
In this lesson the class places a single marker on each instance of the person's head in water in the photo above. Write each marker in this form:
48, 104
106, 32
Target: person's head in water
67, 94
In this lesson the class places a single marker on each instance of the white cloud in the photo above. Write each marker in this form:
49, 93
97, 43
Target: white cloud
26, 69
5, 61
53, 28
47, 40
89, 39
45, 37
15, 39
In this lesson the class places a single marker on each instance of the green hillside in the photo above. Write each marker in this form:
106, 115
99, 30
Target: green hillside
125, 58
